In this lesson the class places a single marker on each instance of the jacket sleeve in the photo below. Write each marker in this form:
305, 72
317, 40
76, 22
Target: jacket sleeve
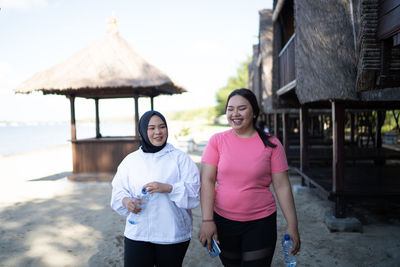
120, 190
186, 192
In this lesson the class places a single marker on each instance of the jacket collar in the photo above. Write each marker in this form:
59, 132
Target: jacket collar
167, 149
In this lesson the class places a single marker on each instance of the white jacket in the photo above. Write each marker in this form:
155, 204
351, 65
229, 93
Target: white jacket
167, 217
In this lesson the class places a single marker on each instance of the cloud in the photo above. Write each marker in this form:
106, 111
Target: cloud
22, 4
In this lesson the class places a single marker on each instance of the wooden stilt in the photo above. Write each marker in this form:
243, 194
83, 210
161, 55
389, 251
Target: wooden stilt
352, 129
378, 132
276, 127
285, 139
322, 120
338, 116
312, 125
304, 164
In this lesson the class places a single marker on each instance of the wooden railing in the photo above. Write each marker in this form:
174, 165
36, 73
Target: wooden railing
287, 72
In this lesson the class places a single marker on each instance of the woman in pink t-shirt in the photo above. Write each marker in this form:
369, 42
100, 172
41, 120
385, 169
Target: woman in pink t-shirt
238, 208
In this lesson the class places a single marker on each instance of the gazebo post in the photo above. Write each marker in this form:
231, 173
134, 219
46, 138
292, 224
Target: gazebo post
136, 116
152, 102
73, 126
96, 101
338, 116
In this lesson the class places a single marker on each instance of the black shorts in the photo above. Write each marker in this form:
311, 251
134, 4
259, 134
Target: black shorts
146, 254
250, 243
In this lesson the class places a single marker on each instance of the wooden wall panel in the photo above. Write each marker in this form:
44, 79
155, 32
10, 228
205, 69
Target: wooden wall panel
101, 155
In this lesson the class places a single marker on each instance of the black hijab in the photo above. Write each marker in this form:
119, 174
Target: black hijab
147, 146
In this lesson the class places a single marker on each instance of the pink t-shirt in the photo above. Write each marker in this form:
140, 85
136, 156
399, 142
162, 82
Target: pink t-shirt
244, 167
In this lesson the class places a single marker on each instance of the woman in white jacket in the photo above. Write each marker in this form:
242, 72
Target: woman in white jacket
172, 181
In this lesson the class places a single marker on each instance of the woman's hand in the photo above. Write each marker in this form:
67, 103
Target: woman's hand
132, 204
294, 235
207, 231
156, 187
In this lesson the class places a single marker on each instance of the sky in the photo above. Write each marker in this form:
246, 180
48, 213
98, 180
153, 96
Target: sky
199, 44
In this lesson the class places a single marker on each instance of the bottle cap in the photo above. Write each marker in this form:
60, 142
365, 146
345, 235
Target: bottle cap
144, 192
286, 237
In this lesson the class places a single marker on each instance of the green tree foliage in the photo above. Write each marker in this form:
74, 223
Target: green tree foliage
392, 121
234, 82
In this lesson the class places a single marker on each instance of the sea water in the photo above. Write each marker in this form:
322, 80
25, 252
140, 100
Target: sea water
18, 138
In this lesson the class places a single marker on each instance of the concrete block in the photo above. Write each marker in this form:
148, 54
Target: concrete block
349, 224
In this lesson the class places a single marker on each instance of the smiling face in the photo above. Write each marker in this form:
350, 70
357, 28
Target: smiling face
157, 131
240, 114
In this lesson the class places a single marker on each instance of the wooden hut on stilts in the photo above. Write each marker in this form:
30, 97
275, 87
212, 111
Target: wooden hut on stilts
109, 68
282, 122
281, 115
341, 56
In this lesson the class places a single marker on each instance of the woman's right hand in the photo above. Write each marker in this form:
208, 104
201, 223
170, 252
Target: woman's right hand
207, 231
132, 204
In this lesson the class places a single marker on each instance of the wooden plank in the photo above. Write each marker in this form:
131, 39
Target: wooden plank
285, 48
277, 10
287, 88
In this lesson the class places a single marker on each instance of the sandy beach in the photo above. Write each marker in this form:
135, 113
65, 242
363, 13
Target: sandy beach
46, 220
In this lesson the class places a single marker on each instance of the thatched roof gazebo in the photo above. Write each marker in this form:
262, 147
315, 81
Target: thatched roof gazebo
109, 68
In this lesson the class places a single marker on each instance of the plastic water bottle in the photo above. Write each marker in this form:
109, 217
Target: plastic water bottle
134, 218
287, 245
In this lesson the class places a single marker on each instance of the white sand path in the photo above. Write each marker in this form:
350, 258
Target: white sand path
45, 220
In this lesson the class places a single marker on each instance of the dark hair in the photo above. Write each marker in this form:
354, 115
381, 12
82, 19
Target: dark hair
249, 95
